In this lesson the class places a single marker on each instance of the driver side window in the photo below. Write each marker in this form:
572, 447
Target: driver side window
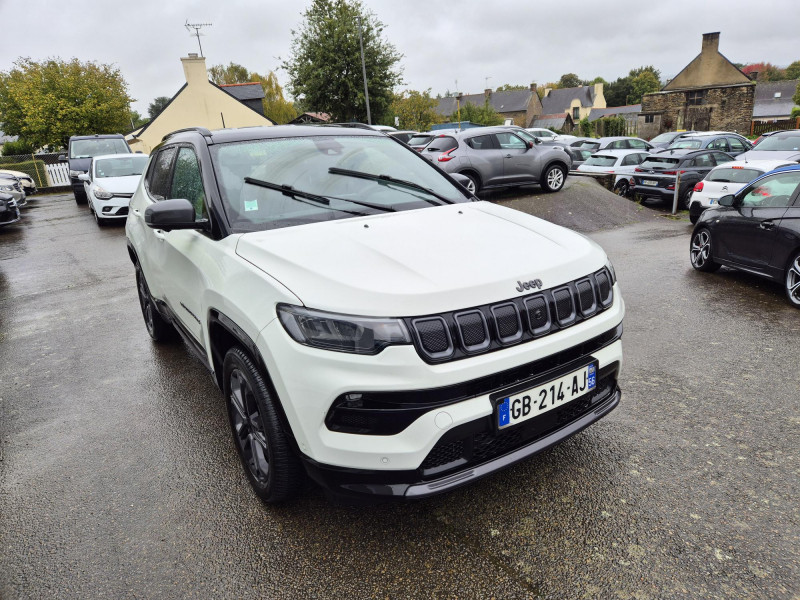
187, 182
508, 141
775, 191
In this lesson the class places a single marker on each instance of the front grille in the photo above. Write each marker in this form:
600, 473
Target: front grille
490, 327
470, 445
122, 211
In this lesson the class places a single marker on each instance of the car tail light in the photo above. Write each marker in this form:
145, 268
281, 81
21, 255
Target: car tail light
671, 186
698, 187
638, 170
737, 167
670, 173
632, 181
445, 156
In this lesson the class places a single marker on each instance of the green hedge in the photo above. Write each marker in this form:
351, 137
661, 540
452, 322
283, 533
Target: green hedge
34, 168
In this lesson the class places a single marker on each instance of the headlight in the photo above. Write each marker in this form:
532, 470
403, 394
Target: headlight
75, 174
7, 188
102, 194
342, 333
610, 268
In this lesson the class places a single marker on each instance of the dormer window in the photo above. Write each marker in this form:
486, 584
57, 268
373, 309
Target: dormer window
777, 95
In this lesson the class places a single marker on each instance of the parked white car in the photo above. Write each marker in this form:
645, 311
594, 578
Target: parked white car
110, 183
726, 179
25, 180
545, 135
12, 186
621, 163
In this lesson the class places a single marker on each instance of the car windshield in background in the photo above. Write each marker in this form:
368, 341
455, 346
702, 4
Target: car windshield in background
780, 143
686, 144
664, 137
734, 175
120, 167
441, 144
659, 162
97, 147
418, 140
301, 165
589, 145
601, 161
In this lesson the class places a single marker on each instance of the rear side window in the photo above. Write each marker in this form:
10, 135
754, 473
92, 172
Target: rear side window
601, 161
637, 144
660, 162
619, 145
721, 158
703, 160
632, 159
590, 145
736, 145
441, 144
481, 142
720, 144
733, 175
418, 140
158, 178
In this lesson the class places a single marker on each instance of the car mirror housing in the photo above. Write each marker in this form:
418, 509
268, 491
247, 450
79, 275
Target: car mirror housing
173, 214
728, 200
62, 158
84, 177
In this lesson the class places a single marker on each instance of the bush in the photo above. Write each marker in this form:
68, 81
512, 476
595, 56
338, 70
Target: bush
34, 168
18, 147
587, 129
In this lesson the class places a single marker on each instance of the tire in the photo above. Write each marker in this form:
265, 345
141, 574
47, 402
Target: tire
693, 219
791, 283
474, 186
80, 198
98, 219
553, 178
700, 251
623, 188
159, 329
683, 200
273, 470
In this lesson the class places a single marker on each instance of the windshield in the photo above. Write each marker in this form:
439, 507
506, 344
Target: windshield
686, 144
304, 162
120, 167
589, 145
418, 140
734, 175
664, 137
601, 161
659, 162
788, 143
97, 147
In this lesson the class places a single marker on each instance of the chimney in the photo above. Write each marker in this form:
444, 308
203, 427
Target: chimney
487, 92
598, 89
533, 87
194, 68
710, 43
753, 75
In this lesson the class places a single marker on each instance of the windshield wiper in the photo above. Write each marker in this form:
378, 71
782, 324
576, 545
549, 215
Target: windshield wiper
388, 179
291, 192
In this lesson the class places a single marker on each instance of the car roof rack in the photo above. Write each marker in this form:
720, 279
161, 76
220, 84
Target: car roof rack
201, 130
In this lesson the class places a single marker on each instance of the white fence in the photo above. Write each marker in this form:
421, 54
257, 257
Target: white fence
57, 174
44, 169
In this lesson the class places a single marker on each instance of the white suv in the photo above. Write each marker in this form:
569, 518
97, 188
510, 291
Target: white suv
371, 324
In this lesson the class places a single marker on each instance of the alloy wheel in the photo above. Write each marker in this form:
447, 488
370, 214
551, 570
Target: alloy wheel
247, 425
555, 178
793, 281
146, 304
701, 249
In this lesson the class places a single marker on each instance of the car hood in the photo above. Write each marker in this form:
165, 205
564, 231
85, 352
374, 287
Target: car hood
119, 185
791, 155
422, 261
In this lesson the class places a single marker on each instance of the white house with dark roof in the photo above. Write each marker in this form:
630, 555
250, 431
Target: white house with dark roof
577, 101
773, 100
250, 94
523, 106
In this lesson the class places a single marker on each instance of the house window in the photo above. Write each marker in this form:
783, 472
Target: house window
696, 98
576, 114
649, 118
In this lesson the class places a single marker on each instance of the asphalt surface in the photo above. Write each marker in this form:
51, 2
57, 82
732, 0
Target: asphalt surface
118, 477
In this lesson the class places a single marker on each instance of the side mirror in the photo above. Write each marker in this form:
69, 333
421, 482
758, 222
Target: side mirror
84, 177
173, 214
728, 200
62, 158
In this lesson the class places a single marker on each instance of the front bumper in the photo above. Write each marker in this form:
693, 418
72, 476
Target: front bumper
9, 216
113, 208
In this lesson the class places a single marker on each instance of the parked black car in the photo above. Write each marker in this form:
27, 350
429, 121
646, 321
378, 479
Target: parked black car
656, 176
756, 230
663, 140
81, 150
9, 212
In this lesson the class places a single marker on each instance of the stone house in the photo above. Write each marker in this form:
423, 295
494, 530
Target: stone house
709, 94
558, 122
523, 106
577, 101
773, 101
199, 103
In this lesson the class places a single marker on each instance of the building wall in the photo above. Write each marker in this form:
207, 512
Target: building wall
725, 109
200, 104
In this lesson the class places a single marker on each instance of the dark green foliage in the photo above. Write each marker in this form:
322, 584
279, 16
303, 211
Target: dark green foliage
585, 127
609, 126
157, 105
34, 168
18, 147
570, 80
324, 64
483, 115
629, 89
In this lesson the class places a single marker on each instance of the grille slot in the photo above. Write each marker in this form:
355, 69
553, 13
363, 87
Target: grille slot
507, 321
538, 314
586, 297
565, 306
434, 336
472, 330
604, 292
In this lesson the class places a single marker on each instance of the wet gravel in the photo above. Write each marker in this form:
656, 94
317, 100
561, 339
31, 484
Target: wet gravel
118, 478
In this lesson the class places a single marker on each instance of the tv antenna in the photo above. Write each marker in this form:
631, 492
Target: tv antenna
197, 27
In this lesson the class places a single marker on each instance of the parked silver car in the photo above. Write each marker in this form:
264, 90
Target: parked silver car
496, 157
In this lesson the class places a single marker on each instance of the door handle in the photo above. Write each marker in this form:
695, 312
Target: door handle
766, 225
508, 156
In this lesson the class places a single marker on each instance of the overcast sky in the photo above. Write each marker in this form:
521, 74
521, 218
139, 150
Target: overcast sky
509, 41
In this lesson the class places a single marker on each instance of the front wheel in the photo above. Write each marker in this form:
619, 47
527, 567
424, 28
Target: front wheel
553, 178
700, 251
792, 281
273, 470
473, 186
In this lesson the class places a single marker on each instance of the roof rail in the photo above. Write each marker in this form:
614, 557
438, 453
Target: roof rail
201, 130
353, 125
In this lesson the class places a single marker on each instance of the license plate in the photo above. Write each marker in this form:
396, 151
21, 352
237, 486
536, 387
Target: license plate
527, 404
712, 200
649, 182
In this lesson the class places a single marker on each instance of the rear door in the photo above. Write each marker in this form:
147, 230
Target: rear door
486, 157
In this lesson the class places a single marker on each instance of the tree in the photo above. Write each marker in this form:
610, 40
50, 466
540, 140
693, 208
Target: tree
766, 71
793, 70
621, 91
644, 83
796, 97
510, 88
276, 107
44, 103
233, 73
482, 115
157, 105
416, 110
570, 80
137, 120
324, 64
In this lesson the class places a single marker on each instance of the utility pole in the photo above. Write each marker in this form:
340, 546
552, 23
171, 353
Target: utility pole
364, 69
197, 27
458, 105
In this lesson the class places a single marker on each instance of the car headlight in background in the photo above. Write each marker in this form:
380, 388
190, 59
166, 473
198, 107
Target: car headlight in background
102, 194
75, 174
7, 188
341, 333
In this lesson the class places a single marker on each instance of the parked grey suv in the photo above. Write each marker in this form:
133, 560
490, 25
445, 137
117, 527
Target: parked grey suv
496, 157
